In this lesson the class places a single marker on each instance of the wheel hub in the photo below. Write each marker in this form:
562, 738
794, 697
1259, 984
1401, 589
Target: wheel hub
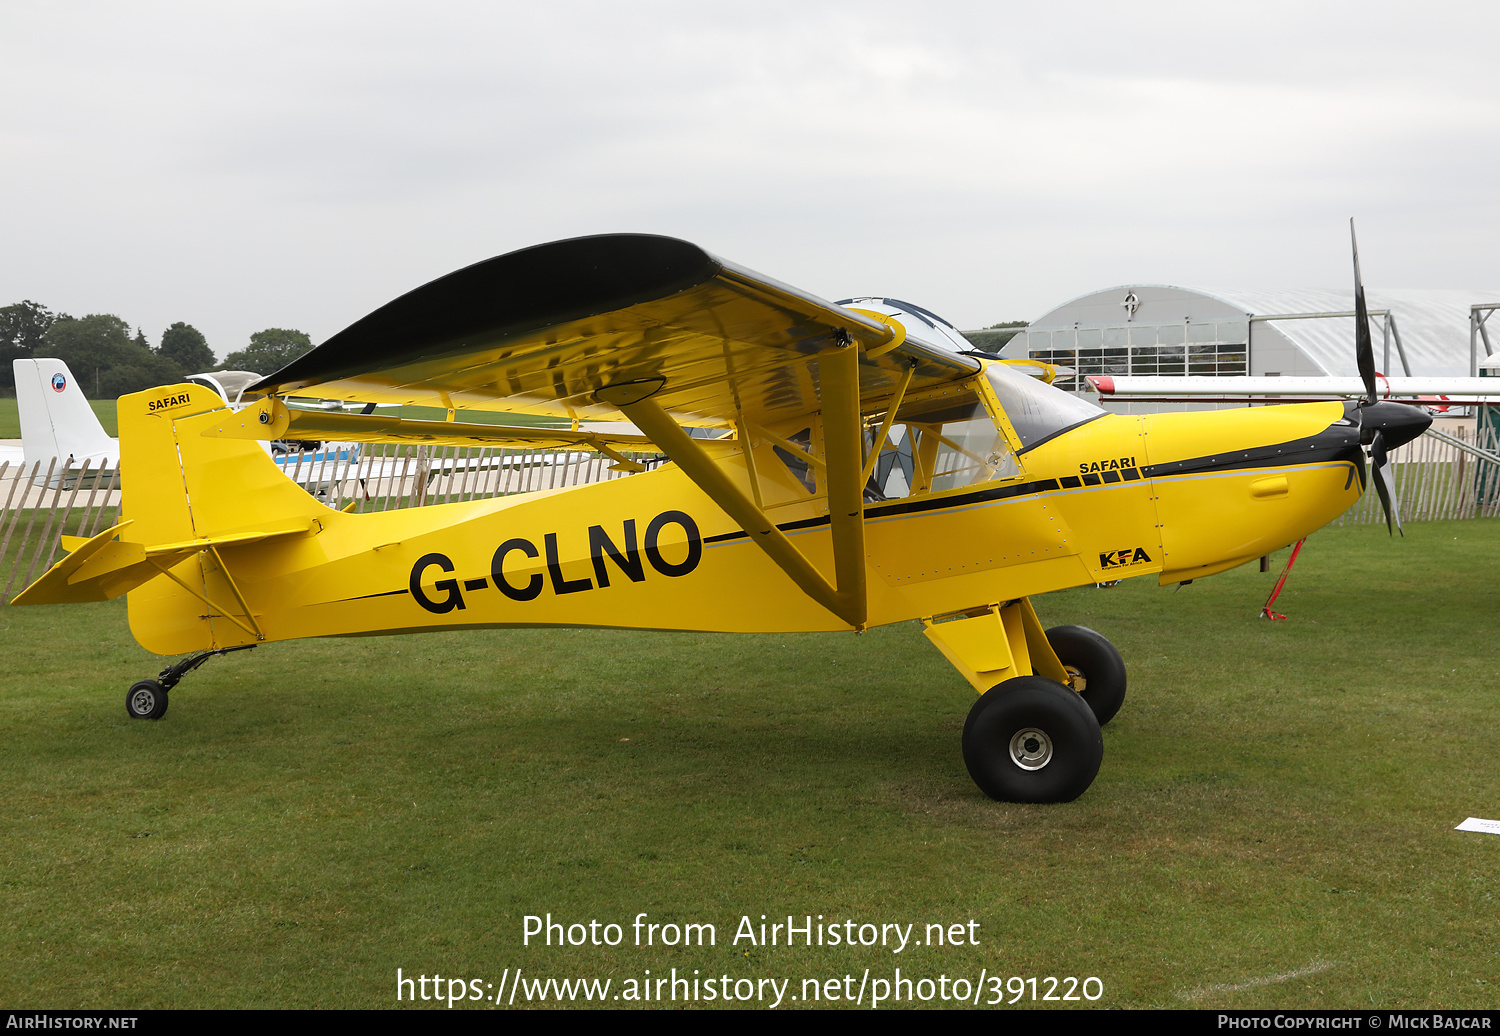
1030, 748
143, 701
1076, 679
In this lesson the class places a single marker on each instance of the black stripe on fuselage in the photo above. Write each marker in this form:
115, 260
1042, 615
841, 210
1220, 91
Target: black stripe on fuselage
1335, 443
984, 496
366, 597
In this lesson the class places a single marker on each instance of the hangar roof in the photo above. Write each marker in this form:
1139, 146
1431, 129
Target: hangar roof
1433, 322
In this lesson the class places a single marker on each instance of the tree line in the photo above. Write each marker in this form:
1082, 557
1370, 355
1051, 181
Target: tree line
108, 361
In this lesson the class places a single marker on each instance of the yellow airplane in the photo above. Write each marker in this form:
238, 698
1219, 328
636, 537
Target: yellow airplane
786, 520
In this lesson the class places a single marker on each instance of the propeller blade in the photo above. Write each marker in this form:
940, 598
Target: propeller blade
1385, 485
1364, 349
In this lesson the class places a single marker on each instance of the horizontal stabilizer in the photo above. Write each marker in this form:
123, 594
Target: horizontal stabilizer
95, 569
233, 539
105, 566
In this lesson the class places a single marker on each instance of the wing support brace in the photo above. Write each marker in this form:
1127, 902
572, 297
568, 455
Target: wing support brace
253, 628
839, 380
271, 418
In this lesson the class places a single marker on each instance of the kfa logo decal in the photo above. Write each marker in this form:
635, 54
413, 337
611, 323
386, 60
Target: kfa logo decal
59, 383
626, 558
1122, 558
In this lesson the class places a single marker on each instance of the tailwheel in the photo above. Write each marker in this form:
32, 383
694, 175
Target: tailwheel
146, 700
1095, 669
1031, 739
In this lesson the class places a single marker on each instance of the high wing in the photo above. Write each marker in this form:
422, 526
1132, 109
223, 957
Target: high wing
652, 328
542, 330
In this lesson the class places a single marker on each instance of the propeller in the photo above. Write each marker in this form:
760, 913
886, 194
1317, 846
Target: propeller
1364, 348
1376, 418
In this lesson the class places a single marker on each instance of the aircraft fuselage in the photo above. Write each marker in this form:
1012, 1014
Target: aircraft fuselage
1173, 495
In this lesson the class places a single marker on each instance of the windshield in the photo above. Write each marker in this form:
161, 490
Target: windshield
1036, 410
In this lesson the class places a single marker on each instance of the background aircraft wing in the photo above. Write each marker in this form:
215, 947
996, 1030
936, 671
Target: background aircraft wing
543, 329
1227, 388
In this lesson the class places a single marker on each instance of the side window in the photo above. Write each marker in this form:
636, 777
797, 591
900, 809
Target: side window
966, 452
938, 445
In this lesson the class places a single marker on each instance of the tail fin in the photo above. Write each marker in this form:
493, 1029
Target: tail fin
179, 484
222, 496
193, 508
56, 419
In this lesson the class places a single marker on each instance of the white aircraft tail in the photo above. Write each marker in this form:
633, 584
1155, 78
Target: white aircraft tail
56, 419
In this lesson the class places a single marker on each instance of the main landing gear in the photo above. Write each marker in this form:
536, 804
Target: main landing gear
147, 699
1034, 734
1030, 739
1095, 669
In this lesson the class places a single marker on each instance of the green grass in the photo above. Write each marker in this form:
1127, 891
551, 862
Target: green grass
10, 418
1276, 799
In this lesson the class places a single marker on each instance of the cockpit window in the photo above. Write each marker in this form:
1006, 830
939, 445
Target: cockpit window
942, 445
946, 440
1036, 410
964, 451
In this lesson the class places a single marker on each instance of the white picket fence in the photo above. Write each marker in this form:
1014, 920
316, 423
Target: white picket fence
1436, 481
42, 505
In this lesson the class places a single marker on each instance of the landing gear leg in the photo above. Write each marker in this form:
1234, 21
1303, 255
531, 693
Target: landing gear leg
1033, 735
148, 698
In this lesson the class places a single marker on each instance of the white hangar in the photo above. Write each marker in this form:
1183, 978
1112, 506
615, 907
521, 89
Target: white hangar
1151, 329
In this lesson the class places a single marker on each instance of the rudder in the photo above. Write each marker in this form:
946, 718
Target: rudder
180, 486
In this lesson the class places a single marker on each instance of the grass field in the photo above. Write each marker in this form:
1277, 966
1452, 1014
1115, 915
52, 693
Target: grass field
10, 418
1272, 826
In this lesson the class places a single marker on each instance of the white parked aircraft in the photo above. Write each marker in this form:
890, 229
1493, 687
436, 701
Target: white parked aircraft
58, 423
56, 419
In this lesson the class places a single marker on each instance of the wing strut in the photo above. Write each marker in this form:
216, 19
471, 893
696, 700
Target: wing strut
843, 435
839, 381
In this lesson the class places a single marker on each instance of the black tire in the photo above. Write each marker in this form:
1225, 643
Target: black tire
1032, 740
146, 700
1096, 668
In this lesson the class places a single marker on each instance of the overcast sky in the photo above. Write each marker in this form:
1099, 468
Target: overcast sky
249, 165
